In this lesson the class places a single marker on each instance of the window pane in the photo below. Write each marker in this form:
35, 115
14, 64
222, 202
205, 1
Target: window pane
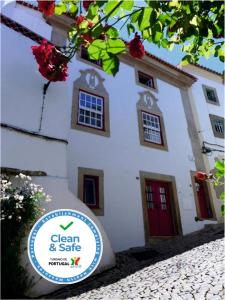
151, 127
219, 126
152, 136
91, 108
90, 191
211, 95
146, 79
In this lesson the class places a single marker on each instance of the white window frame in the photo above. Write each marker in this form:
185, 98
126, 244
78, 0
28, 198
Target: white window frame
152, 128
91, 110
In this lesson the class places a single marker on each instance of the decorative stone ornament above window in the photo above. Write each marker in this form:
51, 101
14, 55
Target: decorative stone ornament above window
150, 122
90, 107
210, 95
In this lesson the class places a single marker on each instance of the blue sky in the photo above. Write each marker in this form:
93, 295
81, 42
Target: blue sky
174, 57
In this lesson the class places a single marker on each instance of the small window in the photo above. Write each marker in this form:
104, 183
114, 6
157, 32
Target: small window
91, 195
217, 126
152, 128
146, 80
91, 110
91, 189
84, 55
210, 95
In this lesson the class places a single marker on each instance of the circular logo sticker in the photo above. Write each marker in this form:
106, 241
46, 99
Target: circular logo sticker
65, 246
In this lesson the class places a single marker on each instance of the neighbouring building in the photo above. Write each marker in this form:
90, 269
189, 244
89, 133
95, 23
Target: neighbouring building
127, 147
207, 101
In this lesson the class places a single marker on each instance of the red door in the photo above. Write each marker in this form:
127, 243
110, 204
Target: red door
159, 209
203, 200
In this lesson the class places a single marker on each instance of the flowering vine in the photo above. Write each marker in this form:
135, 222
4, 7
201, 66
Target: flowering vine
97, 25
216, 179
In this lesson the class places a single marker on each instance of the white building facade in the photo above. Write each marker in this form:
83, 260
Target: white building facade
207, 100
126, 146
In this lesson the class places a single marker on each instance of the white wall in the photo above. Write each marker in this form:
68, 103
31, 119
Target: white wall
121, 156
21, 107
203, 109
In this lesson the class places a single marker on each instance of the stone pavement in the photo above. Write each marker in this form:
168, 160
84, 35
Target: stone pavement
189, 267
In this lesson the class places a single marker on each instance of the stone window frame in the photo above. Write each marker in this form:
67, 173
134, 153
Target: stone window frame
214, 118
146, 72
151, 107
207, 190
97, 173
205, 87
91, 82
174, 203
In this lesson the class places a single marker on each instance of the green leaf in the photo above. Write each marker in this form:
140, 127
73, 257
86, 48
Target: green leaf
71, 33
111, 65
144, 18
60, 9
135, 16
97, 31
223, 210
219, 165
164, 43
73, 8
186, 60
130, 28
97, 49
83, 25
112, 32
127, 4
222, 196
158, 35
147, 33
92, 11
111, 4
115, 46
222, 58
175, 3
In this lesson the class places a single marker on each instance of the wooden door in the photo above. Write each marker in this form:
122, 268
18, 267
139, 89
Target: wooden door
158, 200
203, 200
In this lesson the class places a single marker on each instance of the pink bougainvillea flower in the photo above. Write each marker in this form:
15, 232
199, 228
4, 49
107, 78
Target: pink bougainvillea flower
52, 64
136, 48
43, 52
87, 3
201, 176
47, 7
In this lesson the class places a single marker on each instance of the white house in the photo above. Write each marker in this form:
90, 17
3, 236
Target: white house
207, 100
127, 146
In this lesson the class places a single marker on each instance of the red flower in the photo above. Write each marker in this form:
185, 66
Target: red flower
52, 64
79, 19
136, 48
201, 176
87, 38
87, 3
43, 52
47, 7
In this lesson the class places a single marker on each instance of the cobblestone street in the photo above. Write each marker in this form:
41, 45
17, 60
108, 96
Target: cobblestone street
190, 267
